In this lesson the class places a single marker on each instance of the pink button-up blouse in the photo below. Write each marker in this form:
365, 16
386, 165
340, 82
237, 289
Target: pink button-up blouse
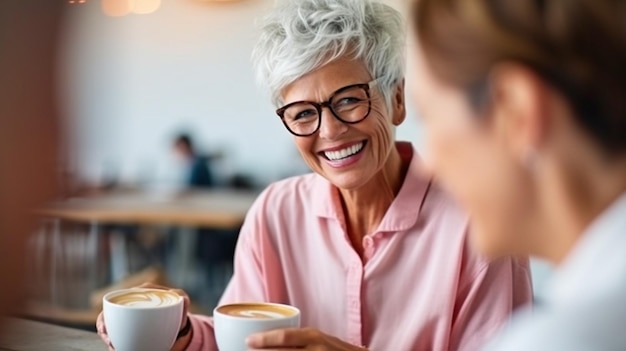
419, 287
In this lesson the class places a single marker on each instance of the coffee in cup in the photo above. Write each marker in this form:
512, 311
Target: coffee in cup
145, 298
235, 322
142, 319
257, 310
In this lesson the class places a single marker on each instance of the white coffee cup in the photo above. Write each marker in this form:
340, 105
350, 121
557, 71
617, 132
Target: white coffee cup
235, 322
141, 319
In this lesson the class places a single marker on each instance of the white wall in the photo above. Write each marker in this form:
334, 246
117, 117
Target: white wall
133, 81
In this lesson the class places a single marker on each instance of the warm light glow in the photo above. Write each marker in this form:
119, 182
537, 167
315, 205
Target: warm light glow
125, 7
117, 7
146, 6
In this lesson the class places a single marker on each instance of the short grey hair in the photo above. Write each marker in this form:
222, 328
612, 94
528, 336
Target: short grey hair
299, 36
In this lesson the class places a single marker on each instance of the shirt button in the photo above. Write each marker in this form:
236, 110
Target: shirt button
368, 241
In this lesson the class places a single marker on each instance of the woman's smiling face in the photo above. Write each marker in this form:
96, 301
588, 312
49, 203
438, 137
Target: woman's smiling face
348, 155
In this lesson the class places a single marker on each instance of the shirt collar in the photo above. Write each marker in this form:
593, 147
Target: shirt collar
404, 210
586, 271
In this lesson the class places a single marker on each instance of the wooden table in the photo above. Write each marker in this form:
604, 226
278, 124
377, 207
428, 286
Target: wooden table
224, 209
220, 209
25, 335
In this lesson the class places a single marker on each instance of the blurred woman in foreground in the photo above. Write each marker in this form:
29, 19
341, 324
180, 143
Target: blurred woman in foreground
524, 104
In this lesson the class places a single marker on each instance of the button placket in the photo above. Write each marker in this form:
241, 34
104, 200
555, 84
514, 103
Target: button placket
353, 299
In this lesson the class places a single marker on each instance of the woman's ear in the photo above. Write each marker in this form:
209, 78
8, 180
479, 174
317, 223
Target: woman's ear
518, 111
398, 107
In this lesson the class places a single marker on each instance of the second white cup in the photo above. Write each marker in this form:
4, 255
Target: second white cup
235, 322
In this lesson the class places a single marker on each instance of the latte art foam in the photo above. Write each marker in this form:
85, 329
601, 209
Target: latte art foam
257, 310
258, 314
146, 298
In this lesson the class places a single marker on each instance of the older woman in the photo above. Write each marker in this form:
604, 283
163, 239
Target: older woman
373, 253
528, 130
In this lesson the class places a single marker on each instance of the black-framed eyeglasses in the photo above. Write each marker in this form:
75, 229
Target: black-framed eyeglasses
350, 104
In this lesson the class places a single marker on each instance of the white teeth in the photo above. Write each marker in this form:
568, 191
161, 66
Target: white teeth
349, 151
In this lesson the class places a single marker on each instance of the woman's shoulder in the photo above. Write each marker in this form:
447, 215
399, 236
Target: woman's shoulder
285, 204
293, 192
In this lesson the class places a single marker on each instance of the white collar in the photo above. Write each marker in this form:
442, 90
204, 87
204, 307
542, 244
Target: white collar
597, 264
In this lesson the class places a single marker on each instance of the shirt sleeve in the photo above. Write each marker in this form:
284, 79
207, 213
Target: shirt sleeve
256, 276
484, 304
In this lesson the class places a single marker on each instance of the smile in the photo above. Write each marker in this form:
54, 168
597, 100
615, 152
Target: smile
344, 153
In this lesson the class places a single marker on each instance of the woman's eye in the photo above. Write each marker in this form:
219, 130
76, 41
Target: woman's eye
305, 114
348, 101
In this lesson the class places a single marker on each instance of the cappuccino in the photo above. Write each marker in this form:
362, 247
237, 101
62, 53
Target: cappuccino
257, 310
145, 298
142, 319
235, 322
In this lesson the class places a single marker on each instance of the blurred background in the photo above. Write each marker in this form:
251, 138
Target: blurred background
131, 82
167, 142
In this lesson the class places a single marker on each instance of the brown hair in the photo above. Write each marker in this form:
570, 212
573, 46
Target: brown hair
576, 46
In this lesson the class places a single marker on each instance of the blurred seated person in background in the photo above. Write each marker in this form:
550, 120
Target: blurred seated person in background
198, 173
373, 253
149, 240
213, 246
531, 95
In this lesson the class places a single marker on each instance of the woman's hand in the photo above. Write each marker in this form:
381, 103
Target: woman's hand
299, 339
180, 344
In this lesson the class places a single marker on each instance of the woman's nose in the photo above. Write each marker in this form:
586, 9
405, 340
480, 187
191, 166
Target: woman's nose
331, 127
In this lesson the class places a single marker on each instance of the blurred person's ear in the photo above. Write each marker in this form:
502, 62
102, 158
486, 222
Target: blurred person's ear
518, 109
